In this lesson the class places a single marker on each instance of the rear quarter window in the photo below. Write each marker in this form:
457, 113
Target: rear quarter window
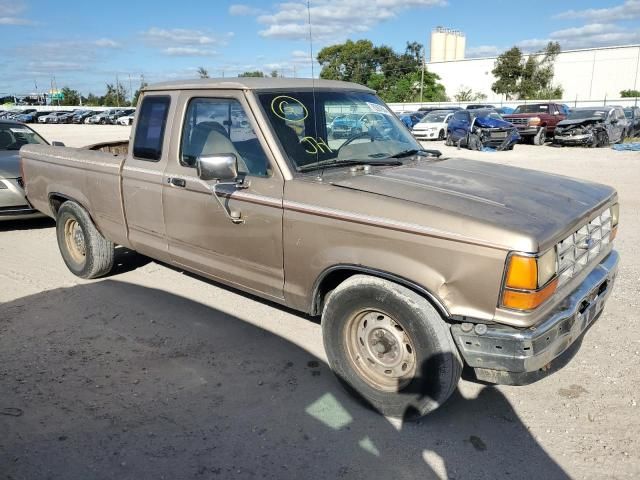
150, 129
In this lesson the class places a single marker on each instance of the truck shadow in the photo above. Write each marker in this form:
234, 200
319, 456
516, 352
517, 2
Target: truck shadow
29, 224
115, 380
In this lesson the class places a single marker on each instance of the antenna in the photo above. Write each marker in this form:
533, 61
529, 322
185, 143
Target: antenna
313, 80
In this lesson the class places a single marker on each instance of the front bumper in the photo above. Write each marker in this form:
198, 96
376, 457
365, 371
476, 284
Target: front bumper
425, 134
512, 356
582, 139
526, 131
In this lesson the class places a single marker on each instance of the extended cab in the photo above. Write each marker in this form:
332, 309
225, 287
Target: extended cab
417, 264
537, 121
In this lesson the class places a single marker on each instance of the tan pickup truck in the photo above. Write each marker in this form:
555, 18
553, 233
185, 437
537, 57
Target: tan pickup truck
419, 265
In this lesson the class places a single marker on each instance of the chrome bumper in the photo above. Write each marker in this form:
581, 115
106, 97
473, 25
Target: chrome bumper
512, 356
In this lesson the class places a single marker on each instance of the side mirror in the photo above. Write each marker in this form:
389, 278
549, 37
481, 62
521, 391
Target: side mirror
57, 144
221, 167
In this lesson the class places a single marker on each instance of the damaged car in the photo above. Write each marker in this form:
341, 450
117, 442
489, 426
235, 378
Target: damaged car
592, 127
477, 129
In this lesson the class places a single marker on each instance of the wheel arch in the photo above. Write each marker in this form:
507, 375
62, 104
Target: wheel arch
57, 199
335, 275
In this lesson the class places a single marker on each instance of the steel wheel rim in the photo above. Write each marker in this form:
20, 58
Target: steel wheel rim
380, 350
74, 240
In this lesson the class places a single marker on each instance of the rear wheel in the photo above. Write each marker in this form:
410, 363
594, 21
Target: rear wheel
390, 347
84, 250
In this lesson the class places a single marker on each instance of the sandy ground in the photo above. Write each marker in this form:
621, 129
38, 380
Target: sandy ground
152, 373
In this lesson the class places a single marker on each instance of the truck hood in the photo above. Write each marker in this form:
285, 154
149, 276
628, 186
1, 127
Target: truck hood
9, 163
540, 207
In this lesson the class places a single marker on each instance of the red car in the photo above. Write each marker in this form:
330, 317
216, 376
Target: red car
537, 121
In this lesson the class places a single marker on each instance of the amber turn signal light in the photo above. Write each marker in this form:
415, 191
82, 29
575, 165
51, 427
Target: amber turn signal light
522, 273
519, 300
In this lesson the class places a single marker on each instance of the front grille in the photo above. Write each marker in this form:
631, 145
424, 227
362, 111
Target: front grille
519, 121
582, 247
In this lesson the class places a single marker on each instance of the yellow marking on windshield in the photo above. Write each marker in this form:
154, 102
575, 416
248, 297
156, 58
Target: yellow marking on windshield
283, 105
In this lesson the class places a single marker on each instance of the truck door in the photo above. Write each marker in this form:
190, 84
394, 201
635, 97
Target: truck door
201, 237
142, 175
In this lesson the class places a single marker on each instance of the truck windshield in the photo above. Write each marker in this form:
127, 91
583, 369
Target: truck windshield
335, 126
14, 136
533, 108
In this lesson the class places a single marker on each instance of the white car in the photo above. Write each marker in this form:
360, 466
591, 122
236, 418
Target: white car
433, 126
126, 120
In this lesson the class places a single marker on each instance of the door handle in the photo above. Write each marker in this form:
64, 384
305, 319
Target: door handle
177, 182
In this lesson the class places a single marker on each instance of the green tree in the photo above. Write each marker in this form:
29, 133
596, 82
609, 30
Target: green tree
93, 100
274, 74
71, 97
530, 78
115, 96
136, 94
396, 77
630, 93
203, 72
255, 73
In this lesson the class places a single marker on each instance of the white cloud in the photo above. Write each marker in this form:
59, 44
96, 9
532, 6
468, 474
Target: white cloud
334, 19
243, 10
10, 11
182, 36
106, 43
626, 11
482, 51
188, 52
586, 36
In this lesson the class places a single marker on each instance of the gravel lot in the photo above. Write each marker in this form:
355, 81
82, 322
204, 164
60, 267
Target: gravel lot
152, 373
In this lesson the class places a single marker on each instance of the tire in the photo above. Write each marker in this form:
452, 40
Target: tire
473, 142
103, 121
441, 135
84, 250
449, 140
414, 335
540, 137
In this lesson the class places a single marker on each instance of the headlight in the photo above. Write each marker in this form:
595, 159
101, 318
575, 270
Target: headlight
534, 121
529, 280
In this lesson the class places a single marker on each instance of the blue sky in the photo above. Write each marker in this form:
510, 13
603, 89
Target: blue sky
85, 44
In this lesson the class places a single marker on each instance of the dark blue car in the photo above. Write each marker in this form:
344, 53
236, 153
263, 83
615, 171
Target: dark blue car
476, 129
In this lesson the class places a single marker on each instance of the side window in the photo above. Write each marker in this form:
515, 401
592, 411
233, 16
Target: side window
150, 130
220, 126
458, 116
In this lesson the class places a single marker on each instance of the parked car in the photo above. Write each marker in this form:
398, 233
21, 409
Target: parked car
410, 118
126, 119
432, 109
30, 117
477, 128
537, 121
103, 118
12, 114
82, 116
633, 116
352, 124
418, 265
53, 117
505, 110
592, 127
480, 106
13, 203
433, 125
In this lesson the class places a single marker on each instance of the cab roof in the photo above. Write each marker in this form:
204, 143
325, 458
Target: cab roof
255, 83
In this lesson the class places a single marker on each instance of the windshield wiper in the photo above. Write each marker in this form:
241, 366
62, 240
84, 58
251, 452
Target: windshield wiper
416, 151
346, 163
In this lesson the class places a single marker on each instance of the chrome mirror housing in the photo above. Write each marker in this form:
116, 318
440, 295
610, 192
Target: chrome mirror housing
220, 167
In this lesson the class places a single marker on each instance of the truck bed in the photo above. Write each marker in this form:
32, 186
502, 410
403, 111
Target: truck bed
90, 177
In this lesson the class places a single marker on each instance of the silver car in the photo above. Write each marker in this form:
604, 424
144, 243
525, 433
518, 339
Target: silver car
13, 203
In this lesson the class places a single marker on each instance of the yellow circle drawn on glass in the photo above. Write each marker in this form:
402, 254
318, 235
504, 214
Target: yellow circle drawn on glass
282, 102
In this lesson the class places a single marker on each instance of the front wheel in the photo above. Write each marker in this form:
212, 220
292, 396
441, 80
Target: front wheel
390, 347
449, 140
441, 135
84, 250
541, 136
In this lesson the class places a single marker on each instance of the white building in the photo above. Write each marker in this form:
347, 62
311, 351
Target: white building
592, 74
